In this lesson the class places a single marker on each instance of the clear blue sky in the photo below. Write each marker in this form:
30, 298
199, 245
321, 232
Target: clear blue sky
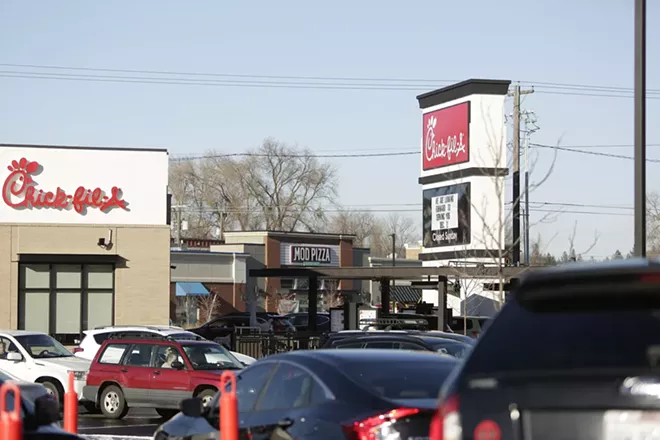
587, 42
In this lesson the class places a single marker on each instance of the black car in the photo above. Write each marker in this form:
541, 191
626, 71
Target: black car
280, 323
301, 321
391, 342
549, 365
452, 347
330, 339
39, 411
332, 394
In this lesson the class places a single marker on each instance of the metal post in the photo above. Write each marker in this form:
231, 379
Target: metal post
312, 301
526, 213
640, 128
393, 258
515, 251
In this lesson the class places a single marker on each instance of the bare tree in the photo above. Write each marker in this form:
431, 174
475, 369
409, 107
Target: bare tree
362, 224
208, 306
275, 187
653, 224
573, 255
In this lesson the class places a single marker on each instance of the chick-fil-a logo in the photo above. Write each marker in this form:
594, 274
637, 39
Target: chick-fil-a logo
20, 191
446, 136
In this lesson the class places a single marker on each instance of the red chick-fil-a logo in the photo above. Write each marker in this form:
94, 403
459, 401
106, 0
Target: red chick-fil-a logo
20, 191
448, 148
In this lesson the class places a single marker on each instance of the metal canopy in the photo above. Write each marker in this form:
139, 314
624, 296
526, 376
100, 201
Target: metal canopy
396, 273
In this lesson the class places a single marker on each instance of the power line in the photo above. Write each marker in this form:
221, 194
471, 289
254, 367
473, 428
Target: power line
544, 84
593, 153
303, 155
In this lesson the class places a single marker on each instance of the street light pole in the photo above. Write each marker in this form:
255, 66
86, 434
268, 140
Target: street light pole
640, 128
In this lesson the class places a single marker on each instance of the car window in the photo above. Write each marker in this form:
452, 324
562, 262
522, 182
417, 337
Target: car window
322, 319
380, 344
459, 324
567, 337
220, 323
6, 346
410, 346
112, 354
405, 380
100, 338
249, 384
290, 388
165, 355
41, 346
210, 356
349, 345
140, 355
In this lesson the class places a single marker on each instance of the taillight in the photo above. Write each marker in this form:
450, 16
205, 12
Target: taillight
446, 424
77, 350
378, 427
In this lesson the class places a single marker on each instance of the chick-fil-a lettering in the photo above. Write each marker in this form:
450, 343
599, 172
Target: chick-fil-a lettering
19, 191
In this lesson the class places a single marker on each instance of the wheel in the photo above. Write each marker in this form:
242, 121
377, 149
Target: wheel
53, 389
112, 403
91, 408
206, 396
166, 413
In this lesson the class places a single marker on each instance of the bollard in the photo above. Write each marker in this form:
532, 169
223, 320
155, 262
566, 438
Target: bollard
11, 424
71, 407
228, 407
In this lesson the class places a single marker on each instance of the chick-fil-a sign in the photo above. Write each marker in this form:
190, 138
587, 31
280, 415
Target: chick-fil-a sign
446, 139
20, 191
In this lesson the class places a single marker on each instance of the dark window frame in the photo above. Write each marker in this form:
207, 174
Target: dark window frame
85, 290
114, 344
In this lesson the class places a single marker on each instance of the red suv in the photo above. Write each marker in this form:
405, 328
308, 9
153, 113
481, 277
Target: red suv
155, 372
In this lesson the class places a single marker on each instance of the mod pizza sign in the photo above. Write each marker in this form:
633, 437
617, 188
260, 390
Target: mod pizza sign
76, 185
294, 254
446, 136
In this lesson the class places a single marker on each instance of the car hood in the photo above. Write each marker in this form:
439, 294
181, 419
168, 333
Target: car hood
247, 360
68, 363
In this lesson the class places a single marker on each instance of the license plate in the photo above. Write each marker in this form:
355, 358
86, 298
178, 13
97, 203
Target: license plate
631, 425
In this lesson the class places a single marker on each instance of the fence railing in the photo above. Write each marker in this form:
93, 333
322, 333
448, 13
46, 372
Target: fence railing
258, 345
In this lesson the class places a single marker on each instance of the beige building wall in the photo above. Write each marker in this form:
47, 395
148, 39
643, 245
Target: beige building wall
142, 279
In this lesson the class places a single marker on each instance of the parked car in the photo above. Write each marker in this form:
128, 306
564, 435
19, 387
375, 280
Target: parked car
301, 321
393, 342
549, 365
40, 411
37, 357
276, 323
329, 339
93, 339
331, 394
471, 326
155, 372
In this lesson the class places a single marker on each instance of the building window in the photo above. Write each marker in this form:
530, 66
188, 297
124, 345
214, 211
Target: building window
65, 299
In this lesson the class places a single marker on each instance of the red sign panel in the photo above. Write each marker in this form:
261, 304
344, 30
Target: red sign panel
20, 191
446, 138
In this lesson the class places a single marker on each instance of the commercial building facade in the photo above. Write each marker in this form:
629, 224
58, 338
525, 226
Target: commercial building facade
84, 238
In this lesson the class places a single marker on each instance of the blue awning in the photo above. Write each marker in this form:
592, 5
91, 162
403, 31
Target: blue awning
191, 289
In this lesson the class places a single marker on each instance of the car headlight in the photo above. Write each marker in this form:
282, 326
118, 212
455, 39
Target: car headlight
78, 375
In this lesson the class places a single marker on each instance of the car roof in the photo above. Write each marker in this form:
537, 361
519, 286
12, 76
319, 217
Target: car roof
337, 358
435, 339
20, 333
137, 328
384, 338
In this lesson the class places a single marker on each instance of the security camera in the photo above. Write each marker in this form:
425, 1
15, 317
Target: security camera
101, 242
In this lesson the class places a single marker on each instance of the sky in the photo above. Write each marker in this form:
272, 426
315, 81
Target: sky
422, 45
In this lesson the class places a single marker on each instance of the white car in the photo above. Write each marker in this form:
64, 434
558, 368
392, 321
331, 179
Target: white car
37, 357
93, 339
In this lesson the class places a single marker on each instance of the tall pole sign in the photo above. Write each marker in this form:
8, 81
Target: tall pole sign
640, 128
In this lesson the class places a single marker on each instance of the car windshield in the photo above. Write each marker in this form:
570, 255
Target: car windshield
211, 356
401, 380
43, 346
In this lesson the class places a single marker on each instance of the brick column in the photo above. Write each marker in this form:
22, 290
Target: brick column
346, 260
272, 259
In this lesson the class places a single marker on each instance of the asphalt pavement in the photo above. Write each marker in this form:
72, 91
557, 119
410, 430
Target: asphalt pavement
138, 422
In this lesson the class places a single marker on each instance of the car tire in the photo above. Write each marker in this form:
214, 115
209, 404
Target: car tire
206, 395
166, 413
53, 389
112, 403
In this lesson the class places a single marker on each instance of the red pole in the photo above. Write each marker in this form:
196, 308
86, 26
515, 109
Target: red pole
228, 407
71, 407
11, 424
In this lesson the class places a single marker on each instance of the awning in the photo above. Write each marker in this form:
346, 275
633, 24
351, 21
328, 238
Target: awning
191, 289
405, 294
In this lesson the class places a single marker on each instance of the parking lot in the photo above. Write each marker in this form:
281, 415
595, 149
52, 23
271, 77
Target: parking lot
138, 423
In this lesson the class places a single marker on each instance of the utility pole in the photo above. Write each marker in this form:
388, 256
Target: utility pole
640, 128
530, 127
515, 257
393, 258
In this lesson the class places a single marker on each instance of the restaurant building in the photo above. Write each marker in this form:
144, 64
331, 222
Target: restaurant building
84, 238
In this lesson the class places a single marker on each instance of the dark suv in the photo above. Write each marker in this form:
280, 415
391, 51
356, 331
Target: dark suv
574, 353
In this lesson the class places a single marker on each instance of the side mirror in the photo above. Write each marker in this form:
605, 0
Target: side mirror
178, 365
14, 356
47, 410
192, 407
